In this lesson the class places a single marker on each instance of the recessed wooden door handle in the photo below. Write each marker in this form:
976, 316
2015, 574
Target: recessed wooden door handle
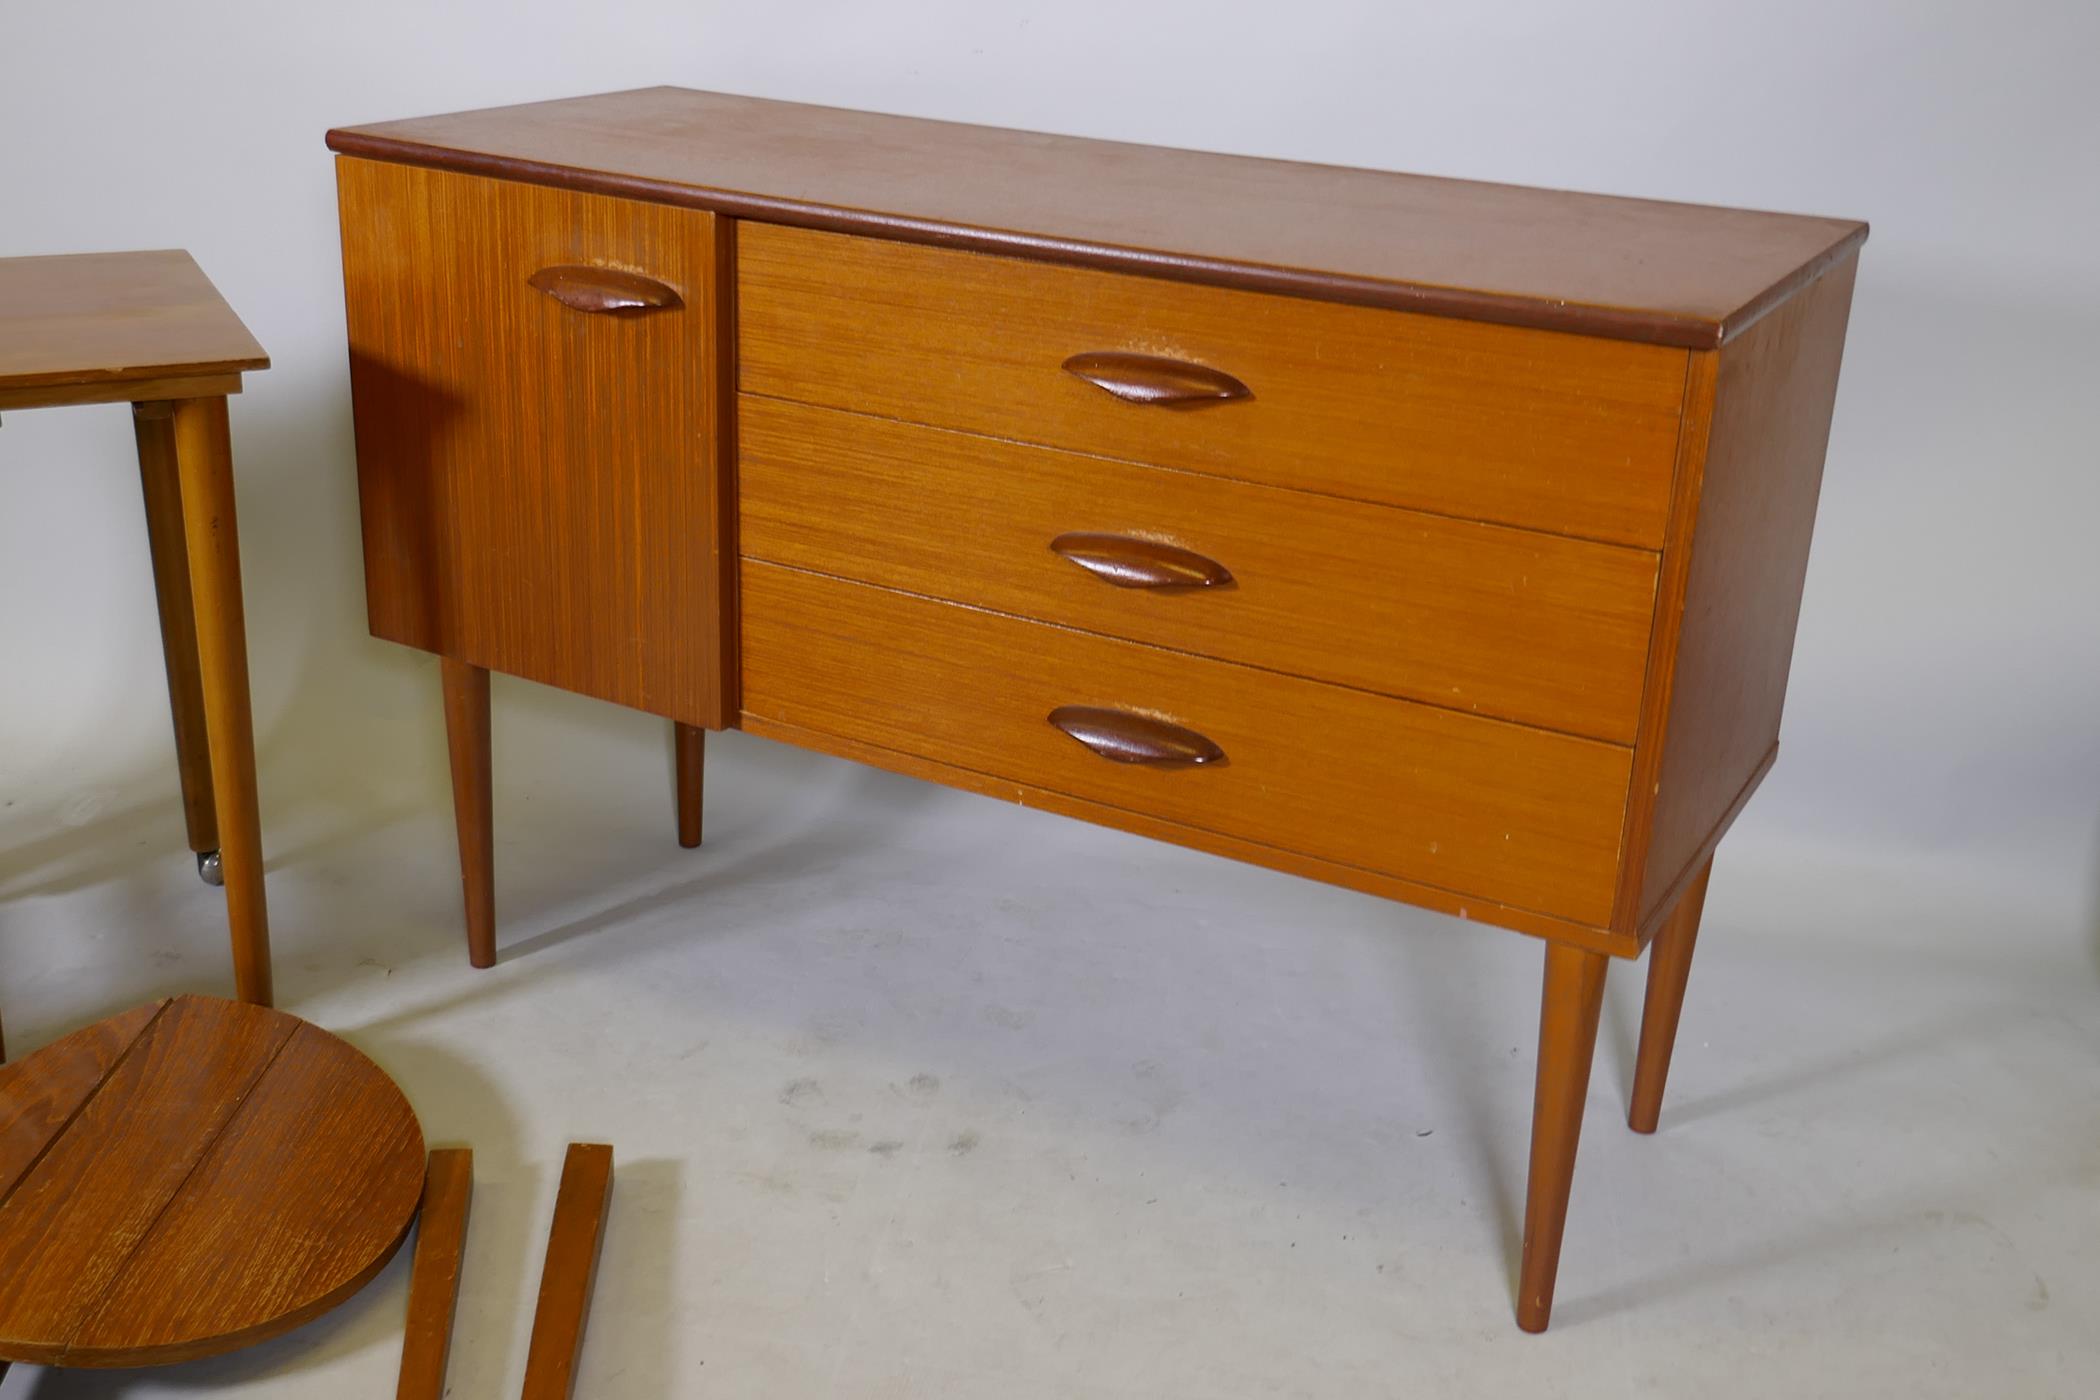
605, 291
1156, 379
1125, 737
1129, 562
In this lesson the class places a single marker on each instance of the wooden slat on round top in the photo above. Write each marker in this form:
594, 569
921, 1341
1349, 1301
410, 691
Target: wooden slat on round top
191, 1177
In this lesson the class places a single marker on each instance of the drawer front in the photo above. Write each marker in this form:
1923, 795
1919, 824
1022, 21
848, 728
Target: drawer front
1533, 428
1526, 626
534, 374
1488, 809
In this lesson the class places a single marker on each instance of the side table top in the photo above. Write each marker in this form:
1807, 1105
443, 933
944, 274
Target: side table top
77, 323
190, 1177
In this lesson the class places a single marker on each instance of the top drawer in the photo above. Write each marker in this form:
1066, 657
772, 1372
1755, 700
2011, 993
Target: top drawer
1533, 428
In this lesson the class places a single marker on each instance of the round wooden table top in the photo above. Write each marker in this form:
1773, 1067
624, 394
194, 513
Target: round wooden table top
191, 1177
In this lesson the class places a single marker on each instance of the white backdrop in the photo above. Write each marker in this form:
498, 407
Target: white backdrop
1945, 711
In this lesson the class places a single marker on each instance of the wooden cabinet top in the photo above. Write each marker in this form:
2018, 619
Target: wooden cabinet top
1634, 269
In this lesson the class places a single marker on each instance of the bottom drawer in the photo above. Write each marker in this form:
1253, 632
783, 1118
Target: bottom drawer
1492, 810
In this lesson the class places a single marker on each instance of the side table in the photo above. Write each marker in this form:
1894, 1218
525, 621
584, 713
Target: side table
149, 329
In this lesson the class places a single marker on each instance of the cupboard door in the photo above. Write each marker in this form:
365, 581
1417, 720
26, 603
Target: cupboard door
534, 375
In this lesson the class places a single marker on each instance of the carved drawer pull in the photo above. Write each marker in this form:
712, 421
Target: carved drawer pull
1155, 379
1125, 737
605, 291
1129, 562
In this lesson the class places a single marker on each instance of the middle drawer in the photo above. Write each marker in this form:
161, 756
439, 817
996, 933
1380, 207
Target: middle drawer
1537, 628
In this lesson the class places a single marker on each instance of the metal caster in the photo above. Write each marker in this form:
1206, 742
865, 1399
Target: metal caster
208, 868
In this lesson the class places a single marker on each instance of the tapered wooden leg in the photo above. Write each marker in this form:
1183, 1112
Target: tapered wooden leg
154, 426
1669, 964
689, 742
467, 735
204, 466
1567, 1037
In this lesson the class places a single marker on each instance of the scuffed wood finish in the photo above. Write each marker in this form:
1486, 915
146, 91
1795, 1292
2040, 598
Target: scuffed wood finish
689, 759
97, 327
467, 741
1531, 627
433, 1285
1573, 995
570, 1272
1504, 813
1758, 422
204, 466
40, 1095
69, 1226
154, 427
538, 483
1678, 274
1552, 432
313, 1183
1669, 967
228, 1172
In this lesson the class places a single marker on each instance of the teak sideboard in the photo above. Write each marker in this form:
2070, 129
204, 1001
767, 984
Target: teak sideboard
1437, 539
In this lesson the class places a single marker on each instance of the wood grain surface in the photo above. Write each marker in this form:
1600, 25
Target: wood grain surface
1499, 811
538, 483
296, 1204
1532, 627
433, 1285
470, 752
1758, 424
153, 426
1669, 968
1553, 432
1675, 273
228, 1173
689, 780
211, 538
116, 320
155, 390
1568, 1011
39, 1096
570, 1272
1470, 908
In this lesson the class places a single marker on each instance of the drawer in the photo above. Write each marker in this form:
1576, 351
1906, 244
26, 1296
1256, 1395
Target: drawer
1524, 427
1527, 626
1488, 809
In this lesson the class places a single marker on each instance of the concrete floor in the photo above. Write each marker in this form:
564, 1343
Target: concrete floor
919, 1095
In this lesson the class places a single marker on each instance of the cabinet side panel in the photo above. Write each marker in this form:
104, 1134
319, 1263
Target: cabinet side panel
1757, 487
538, 483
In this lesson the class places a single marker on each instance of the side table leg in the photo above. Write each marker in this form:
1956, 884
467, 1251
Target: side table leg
1567, 1039
204, 463
467, 737
1669, 964
154, 426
